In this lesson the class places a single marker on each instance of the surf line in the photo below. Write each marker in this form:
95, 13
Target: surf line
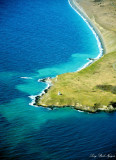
33, 97
94, 33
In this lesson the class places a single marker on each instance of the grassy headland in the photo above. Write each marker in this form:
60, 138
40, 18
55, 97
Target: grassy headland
93, 88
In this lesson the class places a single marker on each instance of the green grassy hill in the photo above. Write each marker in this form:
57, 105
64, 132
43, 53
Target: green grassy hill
93, 87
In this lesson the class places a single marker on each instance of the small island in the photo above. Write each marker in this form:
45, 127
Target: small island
93, 88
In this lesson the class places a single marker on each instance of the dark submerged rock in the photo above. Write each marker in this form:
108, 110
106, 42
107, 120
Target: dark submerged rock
91, 59
44, 79
37, 98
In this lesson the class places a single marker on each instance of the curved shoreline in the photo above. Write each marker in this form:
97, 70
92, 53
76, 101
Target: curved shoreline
94, 30
58, 100
34, 98
99, 43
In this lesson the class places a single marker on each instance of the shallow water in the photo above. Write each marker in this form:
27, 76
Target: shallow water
41, 39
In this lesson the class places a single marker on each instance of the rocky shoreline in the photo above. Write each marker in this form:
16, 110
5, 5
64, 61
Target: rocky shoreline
96, 108
87, 96
88, 109
43, 80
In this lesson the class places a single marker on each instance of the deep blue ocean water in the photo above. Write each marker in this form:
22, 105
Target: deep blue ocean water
41, 38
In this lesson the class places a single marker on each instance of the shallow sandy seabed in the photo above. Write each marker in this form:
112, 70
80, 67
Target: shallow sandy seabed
93, 88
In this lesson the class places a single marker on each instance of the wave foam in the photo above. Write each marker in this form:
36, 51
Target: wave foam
95, 34
88, 63
32, 97
26, 77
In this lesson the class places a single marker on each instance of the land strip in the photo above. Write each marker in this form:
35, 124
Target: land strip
93, 88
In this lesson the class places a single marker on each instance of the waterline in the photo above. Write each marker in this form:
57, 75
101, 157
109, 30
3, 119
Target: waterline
94, 33
33, 97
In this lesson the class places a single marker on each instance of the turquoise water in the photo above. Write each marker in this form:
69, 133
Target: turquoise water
41, 39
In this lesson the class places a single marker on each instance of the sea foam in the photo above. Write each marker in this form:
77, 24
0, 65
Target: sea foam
26, 77
32, 97
84, 66
94, 33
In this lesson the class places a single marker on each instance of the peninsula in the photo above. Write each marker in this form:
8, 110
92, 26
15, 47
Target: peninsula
94, 88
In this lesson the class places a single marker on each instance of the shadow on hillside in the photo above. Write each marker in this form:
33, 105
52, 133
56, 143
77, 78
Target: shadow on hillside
97, 0
108, 88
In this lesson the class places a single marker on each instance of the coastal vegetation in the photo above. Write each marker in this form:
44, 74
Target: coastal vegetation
93, 88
